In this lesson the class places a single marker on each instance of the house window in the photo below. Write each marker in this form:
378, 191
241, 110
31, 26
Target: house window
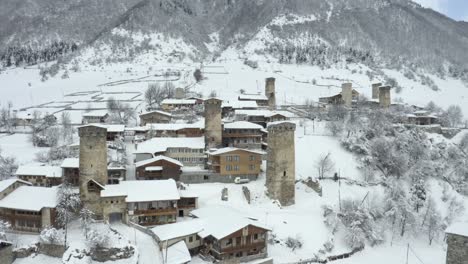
255, 236
236, 158
205, 177
190, 239
228, 158
252, 157
229, 242
252, 167
236, 167
228, 167
284, 173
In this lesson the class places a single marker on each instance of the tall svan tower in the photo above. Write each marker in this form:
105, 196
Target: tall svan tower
213, 125
270, 92
281, 162
93, 166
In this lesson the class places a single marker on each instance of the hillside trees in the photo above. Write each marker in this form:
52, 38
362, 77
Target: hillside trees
120, 112
155, 94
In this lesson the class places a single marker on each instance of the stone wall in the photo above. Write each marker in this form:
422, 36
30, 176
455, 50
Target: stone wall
385, 96
6, 253
280, 174
375, 90
457, 251
51, 250
270, 92
347, 94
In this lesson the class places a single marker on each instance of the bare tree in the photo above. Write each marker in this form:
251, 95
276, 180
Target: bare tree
324, 165
198, 75
213, 94
8, 166
120, 112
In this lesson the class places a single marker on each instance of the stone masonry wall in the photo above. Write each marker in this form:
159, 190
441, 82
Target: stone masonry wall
457, 251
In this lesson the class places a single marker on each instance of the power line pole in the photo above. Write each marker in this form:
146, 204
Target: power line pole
407, 254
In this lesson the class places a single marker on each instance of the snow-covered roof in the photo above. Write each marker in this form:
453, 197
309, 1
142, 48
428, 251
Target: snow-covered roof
174, 126
176, 230
230, 149
252, 97
460, 229
70, 163
115, 128
47, 171
8, 182
143, 191
162, 144
221, 221
156, 111
179, 101
262, 112
178, 254
31, 198
154, 168
158, 158
240, 104
97, 113
242, 125
188, 194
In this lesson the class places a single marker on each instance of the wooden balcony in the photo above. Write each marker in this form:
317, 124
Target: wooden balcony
244, 247
185, 206
147, 212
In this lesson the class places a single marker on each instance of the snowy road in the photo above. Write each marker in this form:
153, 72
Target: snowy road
147, 248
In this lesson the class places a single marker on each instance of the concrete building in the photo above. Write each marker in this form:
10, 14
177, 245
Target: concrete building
45, 176
457, 244
213, 124
243, 134
93, 166
155, 116
189, 151
30, 208
270, 92
385, 96
280, 174
9, 185
375, 90
232, 163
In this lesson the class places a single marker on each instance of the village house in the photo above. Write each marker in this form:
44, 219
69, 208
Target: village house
30, 208
114, 131
187, 203
457, 243
155, 116
158, 168
174, 130
71, 172
177, 254
177, 104
231, 163
187, 231
243, 134
9, 185
147, 203
337, 98
228, 235
95, 117
45, 176
421, 118
261, 116
229, 107
189, 151
260, 99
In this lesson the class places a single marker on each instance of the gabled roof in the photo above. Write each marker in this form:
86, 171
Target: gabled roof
143, 191
242, 125
31, 198
8, 182
177, 253
70, 163
221, 221
156, 112
155, 145
179, 229
179, 101
240, 104
47, 171
115, 128
230, 149
158, 158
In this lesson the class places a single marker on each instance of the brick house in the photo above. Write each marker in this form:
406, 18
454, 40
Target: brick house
234, 162
158, 168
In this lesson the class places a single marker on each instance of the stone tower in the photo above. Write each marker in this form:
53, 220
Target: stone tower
93, 166
347, 94
375, 90
384, 96
213, 129
281, 163
179, 93
270, 92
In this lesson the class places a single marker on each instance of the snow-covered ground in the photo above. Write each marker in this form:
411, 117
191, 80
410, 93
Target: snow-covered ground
20, 147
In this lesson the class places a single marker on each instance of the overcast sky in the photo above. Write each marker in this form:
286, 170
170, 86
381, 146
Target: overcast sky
456, 9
